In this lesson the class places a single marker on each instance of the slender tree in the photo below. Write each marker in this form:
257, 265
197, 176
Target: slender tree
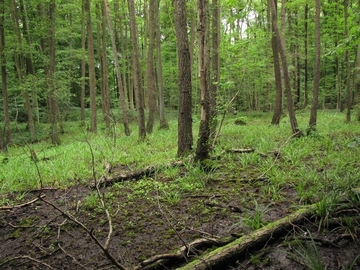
150, 71
347, 63
6, 135
185, 137
52, 102
117, 69
83, 64
136, 67
281, 47
313, 114
91, 64
306, 27
277, 71
159, 72
203, 146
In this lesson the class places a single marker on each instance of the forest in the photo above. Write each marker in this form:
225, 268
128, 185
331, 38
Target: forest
180, 134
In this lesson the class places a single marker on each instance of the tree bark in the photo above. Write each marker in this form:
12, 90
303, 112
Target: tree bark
306, 97
117, 69
150, 71
347, 62
277, 72
314, 106
185, 137
83, 64
163, 122
53, 105
290, 103
6, 135
203, 146
137, 79
91, 63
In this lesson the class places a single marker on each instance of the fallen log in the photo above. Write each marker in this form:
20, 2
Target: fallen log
229, 253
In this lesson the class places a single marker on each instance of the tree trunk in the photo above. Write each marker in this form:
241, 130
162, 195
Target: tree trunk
53, 106
83, 64
306, 98
6, 135
20, 67
215, 65
91, 63
163, 122
150, 72
277, 71
118, 74
347, 61
185, 138
137, 79
105, 72
314, 106
290, 103
203, 146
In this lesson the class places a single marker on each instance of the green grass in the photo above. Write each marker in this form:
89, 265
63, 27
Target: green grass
326, 160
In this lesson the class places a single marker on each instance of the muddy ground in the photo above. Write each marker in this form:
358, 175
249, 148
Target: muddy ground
145, 224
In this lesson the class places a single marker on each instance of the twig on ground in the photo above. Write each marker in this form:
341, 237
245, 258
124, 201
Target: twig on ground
89, 232
22, 205
26, 257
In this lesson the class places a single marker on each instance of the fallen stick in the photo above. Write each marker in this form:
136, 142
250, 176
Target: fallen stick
22, 205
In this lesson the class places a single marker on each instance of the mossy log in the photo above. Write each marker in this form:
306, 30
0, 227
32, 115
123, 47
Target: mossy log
229, 253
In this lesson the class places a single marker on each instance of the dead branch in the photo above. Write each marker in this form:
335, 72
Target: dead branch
26, 257
89, 232
22, 205
241, 151
247, 242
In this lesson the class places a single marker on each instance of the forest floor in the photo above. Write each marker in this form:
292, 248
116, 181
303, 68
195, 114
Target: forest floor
149, 220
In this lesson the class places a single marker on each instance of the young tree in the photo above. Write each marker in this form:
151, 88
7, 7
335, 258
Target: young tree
91, 64
150, 72
83, 63
6, 137
203, 147
137, 71
117, 69
53, 105
347, 63
163, 122
281, 49
277, 71
185, 137
312, 122
215, 64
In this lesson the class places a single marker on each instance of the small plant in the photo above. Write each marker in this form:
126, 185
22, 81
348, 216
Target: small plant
309, 254
324, 208
255, 221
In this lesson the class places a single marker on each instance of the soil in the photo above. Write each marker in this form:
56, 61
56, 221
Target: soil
147, 223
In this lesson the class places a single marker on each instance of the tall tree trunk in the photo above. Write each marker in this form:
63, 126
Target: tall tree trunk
288, 92
203, 146
347, 61
215, 65
105, 72
314, 106
185, 137
277, 71
30, 69
357, 79
53, 106
91, 63
163, 122
306, 97
137, 79
6, 135
20, 67
150, 72
83, 64
117, 69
